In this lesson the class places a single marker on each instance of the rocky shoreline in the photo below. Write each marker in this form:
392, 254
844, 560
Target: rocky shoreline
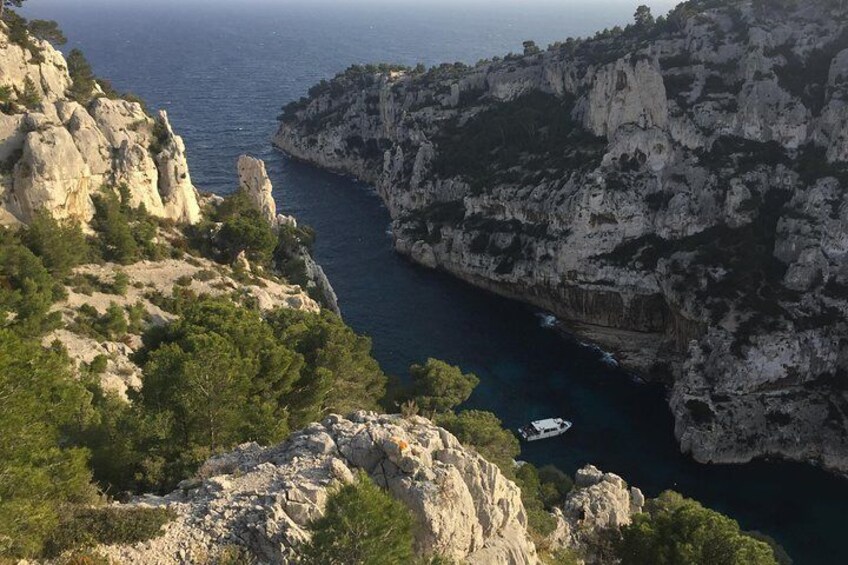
679, 182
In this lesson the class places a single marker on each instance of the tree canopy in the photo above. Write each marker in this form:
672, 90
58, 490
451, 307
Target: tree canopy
82, 77
674, 530
47, 30
39, 473
483, 431
439, 387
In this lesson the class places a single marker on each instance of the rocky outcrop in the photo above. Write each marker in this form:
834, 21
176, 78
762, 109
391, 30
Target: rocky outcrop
56, 153
680, 185
254, 182
598, 502
263, 499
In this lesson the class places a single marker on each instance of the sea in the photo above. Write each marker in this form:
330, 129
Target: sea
223, 70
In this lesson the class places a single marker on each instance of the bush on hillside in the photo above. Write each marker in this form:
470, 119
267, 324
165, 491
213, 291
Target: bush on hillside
362, 525
26, 288
484, 432
125, 234
30, 98
85, 527
83, 81
60, 245
41, 473
339, 373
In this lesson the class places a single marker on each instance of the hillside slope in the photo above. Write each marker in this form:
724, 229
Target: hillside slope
675, 191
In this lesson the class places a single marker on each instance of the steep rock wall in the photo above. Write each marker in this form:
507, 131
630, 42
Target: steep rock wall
681, 184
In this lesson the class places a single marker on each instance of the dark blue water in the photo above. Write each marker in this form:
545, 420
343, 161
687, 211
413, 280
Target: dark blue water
223, 72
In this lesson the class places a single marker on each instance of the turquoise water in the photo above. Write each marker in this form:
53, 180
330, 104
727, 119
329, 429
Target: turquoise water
223, 73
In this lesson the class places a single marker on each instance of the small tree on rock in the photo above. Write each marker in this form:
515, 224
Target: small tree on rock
82, 77
643, 17
530, 48
9, 3
439, 387
362, 525
47, 30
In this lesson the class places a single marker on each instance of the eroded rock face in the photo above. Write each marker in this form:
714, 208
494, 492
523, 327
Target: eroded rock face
264, 498
56, 155
690, 197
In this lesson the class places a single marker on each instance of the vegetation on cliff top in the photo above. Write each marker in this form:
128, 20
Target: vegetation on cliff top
675, 530
361, 525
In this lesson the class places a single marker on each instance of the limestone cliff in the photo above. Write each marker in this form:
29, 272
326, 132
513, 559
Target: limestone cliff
675, 190
56, 153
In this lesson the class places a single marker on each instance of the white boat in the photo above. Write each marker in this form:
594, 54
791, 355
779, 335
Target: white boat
543, 429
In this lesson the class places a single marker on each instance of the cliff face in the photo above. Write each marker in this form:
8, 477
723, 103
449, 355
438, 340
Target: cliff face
680, 185
55, 153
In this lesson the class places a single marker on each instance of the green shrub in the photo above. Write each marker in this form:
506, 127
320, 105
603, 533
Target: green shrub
362, 525
82, 77
205, 275
26, 288
339, 374
19, 33
565, 556
676, 530
113, 228
138, 318
47, 30
41, 474
214, 378
6, 94
158, 138
484, 432
554, 486
30, 97
221, 375
539, 521
120, 283
125, 234
235, 555
249, 232
86, 527
113, 323
98, 365
60, 245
